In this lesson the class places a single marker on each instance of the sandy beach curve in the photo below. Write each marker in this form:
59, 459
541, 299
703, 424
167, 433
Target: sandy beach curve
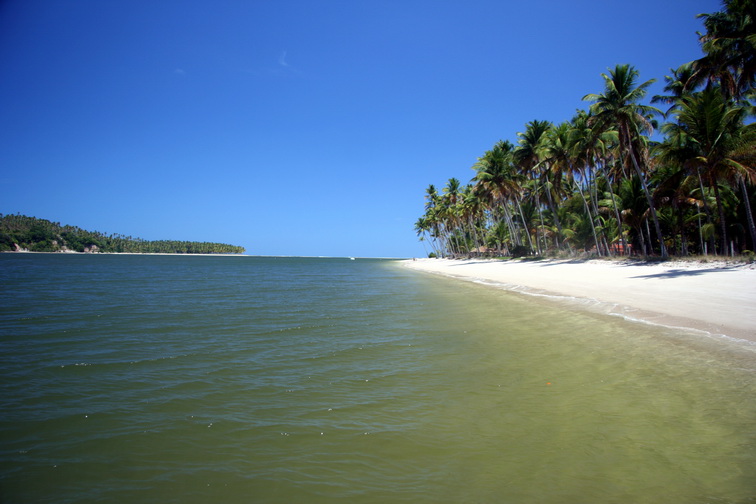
714, 297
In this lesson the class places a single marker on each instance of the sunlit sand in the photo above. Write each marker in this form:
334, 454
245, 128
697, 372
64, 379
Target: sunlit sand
717, 298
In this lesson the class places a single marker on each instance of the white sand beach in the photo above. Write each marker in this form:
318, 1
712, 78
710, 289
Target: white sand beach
715, 297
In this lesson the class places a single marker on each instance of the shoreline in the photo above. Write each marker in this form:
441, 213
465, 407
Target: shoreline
74, 252
716, 298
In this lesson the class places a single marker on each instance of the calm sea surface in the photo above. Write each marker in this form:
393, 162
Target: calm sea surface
138, 379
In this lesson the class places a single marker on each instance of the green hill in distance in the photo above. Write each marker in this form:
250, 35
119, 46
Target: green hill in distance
22, 233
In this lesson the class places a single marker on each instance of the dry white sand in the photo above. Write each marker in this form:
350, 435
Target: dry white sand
718, 298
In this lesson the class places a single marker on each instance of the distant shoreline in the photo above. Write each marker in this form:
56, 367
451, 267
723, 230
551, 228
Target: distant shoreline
717, 298
74, 252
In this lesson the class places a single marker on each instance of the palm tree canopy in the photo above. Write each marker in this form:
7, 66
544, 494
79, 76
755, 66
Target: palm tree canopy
729, 45
678, 84
527, 153
495, 174
619, 104
712, 130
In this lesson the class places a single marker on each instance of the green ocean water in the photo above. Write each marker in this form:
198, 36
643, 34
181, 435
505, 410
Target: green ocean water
277, 380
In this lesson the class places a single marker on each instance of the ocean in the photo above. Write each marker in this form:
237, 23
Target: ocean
200, 379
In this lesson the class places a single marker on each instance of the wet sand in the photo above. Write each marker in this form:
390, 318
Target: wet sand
715, 297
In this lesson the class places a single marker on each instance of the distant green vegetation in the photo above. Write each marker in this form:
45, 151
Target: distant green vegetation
40, 235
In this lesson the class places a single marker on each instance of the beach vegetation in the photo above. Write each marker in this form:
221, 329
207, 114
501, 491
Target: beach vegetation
20, 232
622, 177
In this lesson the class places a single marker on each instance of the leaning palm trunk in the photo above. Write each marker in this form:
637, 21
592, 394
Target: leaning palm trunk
474, 231
722, 224
642, 238
650, 200
590, 218
648, 233
681, 226
554, 213
524, 224
617, 215
510, 224
749, 214
540, 236
593, 196
707, 210
498, 216
447, 242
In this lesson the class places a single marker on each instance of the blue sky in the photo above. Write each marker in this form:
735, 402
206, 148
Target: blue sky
293, 127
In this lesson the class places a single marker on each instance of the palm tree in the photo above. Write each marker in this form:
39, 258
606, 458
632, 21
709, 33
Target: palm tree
422, 230
635, 210
432, 219
729, 45
496, 182
557, 161
471, 210
673, 154
677, 188
680, 83
527, 159
448, 213
590, 149
569, 149
719, 146
618, 107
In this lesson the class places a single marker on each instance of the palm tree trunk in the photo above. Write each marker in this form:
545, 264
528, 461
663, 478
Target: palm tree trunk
510, 224
683, 236
623, 242
648, 233
554, 213
700, 231
749, 214
590, 218
540, 236
524, 224
474, 231
642, 239
617, 217
593, 196
650, 200
707, 211
722, 224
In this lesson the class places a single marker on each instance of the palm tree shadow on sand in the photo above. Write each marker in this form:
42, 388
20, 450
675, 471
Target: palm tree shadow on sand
675, 273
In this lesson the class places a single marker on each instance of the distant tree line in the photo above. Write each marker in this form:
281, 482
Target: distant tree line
599, 185
19, 232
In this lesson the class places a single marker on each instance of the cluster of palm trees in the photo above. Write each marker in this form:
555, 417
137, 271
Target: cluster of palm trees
599, 184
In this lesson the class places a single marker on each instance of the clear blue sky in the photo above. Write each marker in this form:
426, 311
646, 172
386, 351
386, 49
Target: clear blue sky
293, 127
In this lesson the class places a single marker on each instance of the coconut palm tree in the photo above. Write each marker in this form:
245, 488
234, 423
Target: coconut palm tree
471, 210
719, 146
672, 155
590, 149
448, 213
556, 154
432, 219
729, 45
577, 172
680, 83
618, 107
496, 181
527, 158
